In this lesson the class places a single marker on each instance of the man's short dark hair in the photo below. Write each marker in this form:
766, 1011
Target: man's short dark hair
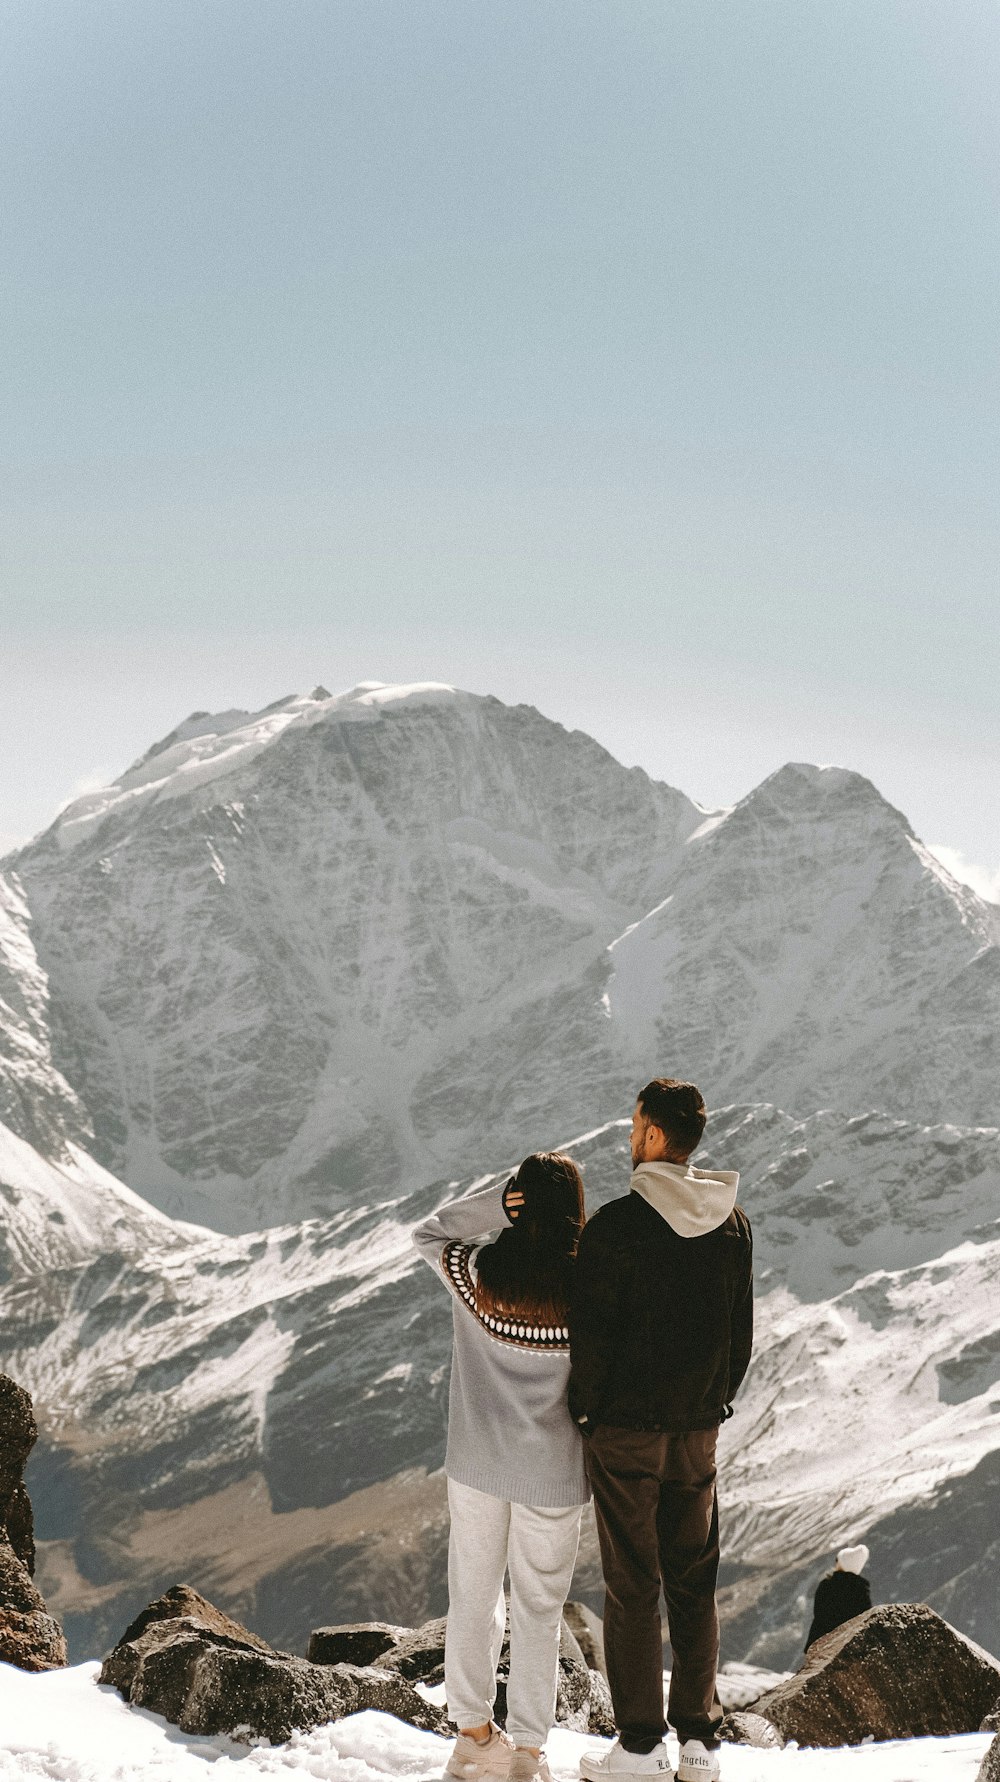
678, 1109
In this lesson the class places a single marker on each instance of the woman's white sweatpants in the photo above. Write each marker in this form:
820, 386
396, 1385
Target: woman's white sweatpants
538, 1548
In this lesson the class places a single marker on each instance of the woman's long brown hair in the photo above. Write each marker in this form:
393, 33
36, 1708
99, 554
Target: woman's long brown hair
525, 1272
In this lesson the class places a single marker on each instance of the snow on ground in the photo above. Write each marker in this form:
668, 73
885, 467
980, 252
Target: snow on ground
64, 1727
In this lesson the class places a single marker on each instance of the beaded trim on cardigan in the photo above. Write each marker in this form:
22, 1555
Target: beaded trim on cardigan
455, 1262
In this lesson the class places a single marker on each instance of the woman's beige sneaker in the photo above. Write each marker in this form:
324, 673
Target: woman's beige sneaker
526, 1767
469, 1761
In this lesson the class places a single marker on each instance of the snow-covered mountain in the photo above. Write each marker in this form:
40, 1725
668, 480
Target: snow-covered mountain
350, 944
812, 951
271, 1406
340, 946
297, 971
57, 1215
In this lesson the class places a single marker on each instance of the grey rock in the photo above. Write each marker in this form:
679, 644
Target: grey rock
391, 1694
897, 1672
157, 1670
601, 1721
991, 1722
180, 1636
418, 1653
356, 1642
745, 1728
989, 1769
253, 1695
588, 1632
181, 1601
573, 1685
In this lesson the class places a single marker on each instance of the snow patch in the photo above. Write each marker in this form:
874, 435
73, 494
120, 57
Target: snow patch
62, 1726
980, 879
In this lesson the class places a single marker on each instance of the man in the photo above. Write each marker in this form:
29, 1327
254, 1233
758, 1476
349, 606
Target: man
661, 1326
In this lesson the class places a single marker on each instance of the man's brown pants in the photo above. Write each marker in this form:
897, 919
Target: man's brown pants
658, 1523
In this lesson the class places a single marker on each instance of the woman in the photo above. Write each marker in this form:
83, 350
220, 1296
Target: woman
516, 1479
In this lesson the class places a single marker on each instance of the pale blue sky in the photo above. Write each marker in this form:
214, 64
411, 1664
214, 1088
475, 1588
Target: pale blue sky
637, 360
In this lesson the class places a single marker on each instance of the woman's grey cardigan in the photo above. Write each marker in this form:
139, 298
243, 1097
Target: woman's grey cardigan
509, 1430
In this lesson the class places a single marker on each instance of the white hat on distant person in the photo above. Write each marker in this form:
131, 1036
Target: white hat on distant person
853, 1559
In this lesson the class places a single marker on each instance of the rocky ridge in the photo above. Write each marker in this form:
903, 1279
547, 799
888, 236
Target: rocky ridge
351, 944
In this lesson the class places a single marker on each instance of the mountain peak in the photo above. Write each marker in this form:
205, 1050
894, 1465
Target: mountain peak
807, 788
382, 693
209, 745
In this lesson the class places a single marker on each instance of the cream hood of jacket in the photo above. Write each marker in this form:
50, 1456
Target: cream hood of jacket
692, 1201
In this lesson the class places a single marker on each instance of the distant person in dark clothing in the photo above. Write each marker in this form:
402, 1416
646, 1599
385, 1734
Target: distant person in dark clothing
841, 1594
661, 1326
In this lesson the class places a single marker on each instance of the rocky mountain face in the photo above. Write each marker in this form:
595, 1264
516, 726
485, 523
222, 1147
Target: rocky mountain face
300, 974
36, 1101
811, 952
342, 946
348, 945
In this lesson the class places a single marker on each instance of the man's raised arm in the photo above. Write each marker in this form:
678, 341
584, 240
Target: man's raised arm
593, 1323
741, 1325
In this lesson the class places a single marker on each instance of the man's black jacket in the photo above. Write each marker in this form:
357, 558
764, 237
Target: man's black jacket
661, 1326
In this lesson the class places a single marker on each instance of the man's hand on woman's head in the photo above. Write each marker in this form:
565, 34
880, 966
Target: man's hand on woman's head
513, 1200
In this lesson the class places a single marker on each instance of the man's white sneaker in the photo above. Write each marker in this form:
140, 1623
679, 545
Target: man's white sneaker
697, 1763
619, 1765
470, 1762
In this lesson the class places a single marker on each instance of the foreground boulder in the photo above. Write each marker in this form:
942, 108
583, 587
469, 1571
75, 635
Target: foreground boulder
208, 1674
30, 1637
896, 1672
356, 1642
